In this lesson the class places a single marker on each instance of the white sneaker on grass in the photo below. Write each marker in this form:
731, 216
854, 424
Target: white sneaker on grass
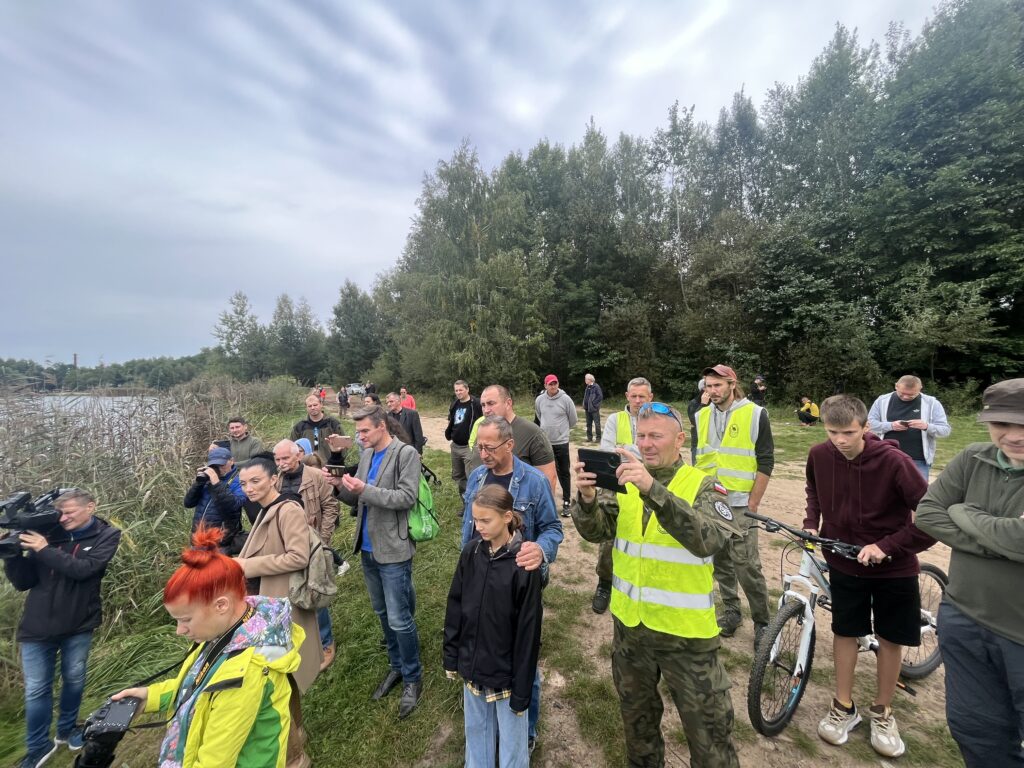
836, 726
885, 736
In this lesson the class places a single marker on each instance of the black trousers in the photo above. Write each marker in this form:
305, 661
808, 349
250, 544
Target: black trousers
562, 469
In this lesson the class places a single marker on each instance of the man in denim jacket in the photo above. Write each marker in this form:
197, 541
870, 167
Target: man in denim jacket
531, 497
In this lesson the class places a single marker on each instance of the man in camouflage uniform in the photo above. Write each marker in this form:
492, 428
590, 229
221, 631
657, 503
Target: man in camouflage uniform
667, 523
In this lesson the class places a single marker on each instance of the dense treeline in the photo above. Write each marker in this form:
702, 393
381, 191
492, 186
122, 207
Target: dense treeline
864, 222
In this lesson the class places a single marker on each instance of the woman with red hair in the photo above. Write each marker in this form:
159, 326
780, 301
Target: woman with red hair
247, 649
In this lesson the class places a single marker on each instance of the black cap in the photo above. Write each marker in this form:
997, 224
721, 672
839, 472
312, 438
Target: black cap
1003, 402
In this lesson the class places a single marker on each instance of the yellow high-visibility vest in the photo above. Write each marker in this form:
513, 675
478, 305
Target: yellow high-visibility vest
473, 431
623, 429
734, 462
655, 579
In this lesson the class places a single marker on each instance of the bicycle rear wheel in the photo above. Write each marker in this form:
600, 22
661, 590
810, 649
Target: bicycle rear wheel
779, 675
925, 659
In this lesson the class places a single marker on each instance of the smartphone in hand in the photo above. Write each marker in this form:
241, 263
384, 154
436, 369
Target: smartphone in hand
603, 464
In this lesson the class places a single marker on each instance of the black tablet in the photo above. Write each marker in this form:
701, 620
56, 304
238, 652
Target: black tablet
603, 464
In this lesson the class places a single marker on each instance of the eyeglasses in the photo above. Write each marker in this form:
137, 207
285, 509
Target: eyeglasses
491, 448
661, 409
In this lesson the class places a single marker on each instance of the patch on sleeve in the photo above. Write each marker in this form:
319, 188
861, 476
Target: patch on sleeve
719, 488
723, 510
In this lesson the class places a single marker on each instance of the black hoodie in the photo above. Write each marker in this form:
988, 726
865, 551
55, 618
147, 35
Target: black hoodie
492, 624
63, 581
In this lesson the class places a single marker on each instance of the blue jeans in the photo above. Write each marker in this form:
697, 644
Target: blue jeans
534, 715
488, 723
922, 467
323, 620
984, 690
394, 601
38, 662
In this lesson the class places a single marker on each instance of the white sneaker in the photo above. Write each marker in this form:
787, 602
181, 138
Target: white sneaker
836, 727
343, 568
885, 736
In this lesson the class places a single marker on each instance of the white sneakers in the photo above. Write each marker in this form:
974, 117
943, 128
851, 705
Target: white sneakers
885, 736
836, 726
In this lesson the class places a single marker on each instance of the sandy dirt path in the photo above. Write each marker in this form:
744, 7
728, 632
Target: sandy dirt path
784, 500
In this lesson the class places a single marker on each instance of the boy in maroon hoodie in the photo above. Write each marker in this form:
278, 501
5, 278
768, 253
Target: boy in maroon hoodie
863, 490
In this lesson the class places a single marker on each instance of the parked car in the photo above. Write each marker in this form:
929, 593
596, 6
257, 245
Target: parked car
356, 389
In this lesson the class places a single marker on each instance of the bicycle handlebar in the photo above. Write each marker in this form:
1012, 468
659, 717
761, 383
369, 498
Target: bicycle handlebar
841, 548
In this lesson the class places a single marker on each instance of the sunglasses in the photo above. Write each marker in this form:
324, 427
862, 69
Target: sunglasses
661, 409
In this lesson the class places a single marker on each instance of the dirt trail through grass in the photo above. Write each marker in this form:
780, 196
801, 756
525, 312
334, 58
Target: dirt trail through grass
921, 718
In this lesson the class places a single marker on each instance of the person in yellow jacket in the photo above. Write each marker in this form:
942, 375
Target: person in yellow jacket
735, 444
667, 523
808, 413
247, 649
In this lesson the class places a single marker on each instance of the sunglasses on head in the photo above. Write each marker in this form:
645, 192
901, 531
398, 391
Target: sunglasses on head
661, 409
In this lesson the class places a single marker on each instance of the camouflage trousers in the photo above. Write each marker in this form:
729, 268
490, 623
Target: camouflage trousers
740, 559
604, 561
699, 686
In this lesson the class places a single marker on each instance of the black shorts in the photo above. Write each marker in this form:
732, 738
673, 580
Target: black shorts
895, 605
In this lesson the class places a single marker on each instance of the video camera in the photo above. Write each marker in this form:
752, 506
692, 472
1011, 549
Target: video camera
20, 513
104, 728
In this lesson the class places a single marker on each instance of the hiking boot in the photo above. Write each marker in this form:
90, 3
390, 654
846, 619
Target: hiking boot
758, 634
38, 757
410, 698
387, 685
885, 736
75, 740
729, 622
602, 596
836, 726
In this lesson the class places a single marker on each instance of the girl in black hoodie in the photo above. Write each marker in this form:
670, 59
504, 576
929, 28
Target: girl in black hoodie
492, 634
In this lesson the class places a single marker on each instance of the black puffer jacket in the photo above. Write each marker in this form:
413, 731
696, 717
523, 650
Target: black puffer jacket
492, 624
63, 581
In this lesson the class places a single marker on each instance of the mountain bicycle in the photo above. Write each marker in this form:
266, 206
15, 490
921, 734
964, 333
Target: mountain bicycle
782, 663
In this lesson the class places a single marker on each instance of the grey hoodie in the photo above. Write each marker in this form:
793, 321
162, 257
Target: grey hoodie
557, 416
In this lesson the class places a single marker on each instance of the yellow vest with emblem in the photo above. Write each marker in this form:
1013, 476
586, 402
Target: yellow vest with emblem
734, 462
623, 429
655, 579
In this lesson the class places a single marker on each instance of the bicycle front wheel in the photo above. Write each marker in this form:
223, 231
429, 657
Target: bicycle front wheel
925, 659
780, 672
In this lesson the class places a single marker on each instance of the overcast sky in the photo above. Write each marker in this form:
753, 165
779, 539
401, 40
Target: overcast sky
157, 157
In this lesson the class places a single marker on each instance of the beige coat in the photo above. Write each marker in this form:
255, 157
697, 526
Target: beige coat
319, 502
278, 545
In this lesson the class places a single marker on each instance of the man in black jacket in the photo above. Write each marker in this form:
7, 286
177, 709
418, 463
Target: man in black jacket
462, 415
409, 418
216, 495
318, 428
61, 572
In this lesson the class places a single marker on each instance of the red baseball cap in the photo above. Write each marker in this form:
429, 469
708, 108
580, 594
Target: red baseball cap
724, 371
550, 379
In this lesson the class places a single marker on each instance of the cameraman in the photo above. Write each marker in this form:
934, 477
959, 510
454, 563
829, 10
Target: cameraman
62, 572
216, 495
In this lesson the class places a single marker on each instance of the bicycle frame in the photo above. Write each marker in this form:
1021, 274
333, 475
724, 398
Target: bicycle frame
810, 578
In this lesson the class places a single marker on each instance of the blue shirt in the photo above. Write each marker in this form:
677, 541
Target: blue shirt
375, 463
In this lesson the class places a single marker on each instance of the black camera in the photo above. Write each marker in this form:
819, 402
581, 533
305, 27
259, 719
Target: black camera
20, 513
104, 728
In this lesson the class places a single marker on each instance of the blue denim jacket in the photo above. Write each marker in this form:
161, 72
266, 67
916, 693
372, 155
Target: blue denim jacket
531, 498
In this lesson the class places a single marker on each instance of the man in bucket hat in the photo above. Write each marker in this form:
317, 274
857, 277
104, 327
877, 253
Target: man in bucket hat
976, 506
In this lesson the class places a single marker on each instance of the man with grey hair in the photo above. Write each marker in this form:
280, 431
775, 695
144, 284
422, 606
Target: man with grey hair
911, 418
61, 569
307, 485
593, 396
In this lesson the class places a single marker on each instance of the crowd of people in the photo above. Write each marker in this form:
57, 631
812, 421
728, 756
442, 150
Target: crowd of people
668, 530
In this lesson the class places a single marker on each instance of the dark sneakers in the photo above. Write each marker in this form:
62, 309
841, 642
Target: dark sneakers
39, 757
602, 596
410, 699
565, 509
388, 684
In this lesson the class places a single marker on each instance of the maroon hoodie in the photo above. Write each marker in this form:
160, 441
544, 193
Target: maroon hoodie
869, 500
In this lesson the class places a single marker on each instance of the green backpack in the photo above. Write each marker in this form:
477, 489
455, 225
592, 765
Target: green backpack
423, 523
